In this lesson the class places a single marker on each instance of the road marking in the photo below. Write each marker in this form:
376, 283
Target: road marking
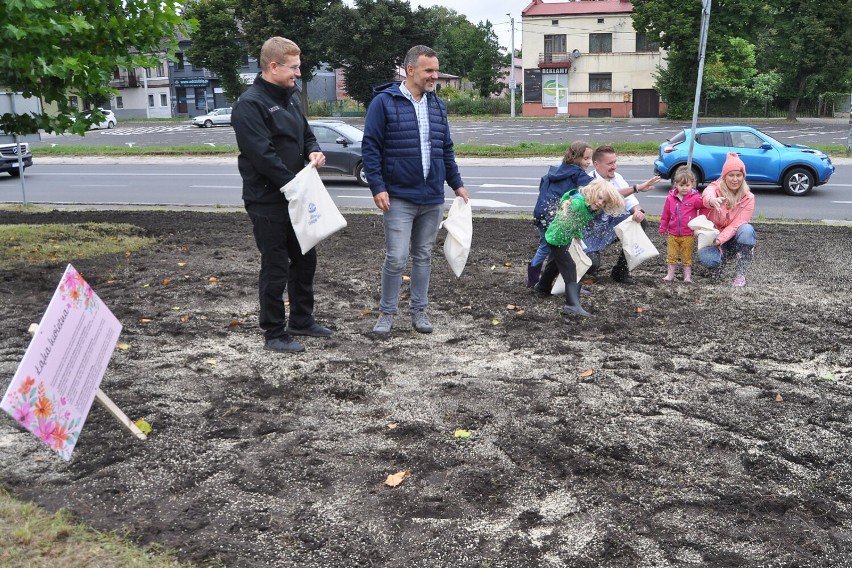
506, 193
100, 185
507, 185
215, 187
843, 202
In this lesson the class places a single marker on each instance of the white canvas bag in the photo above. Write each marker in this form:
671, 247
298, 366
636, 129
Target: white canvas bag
704, 230
581, 261
459, 225
312, 211
635, 243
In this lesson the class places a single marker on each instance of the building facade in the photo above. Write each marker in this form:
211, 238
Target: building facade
584, 59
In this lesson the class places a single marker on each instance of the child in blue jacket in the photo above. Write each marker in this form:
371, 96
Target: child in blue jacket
570, 174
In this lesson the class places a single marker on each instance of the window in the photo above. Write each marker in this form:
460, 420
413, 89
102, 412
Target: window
600, 43
116, 73
324, 135
160, 71
179, 61
200, 98
711, 139
600, 82
600, 113
119, 102
644, 44
74, 102
150, 101
746, 140
554, 44
148, 72
164, 100
600, 20
554, 22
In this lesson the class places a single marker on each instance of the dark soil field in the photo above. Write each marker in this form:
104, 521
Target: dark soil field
680, 425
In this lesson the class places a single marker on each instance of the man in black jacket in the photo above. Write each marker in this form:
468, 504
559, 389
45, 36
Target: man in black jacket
275, 141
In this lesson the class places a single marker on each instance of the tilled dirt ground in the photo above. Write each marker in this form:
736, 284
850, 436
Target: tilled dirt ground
681, 425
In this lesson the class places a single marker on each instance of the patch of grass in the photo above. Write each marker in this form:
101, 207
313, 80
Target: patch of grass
30, 537
180, 150
37, 244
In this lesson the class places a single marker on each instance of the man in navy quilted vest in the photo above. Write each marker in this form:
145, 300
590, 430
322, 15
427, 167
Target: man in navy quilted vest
408, 155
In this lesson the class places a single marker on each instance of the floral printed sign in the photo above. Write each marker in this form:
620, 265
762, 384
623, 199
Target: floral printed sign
55, 384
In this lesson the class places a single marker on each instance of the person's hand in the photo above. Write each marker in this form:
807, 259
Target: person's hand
317, 159
382, 201
716, 202
462, 192
717, 242
638, 215
648, 185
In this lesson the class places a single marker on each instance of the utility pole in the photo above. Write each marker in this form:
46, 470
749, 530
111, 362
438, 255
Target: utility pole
512, 66
702, 48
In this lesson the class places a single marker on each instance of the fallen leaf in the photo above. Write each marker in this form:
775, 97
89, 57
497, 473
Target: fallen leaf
639, 310
166, 281
464, 434
495, 322
395, 479
184, 318
828, 377
599, 337
146, 285
110, 281
235, 323
127, 254
365, 312
507, 264
144, 320
123, 346
779, 398
467, 307
520, 312
211, 361
406, 278
587, 373
176, 308
181, 264
213, 279
493, 267
392, 425
511, 306
144, 426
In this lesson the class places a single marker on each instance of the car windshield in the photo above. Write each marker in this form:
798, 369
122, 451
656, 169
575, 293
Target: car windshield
350, 132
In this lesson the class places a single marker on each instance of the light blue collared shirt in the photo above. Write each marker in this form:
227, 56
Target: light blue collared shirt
421, 108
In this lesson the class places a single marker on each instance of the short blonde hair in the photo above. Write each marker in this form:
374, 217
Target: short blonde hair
275, 49
601, 189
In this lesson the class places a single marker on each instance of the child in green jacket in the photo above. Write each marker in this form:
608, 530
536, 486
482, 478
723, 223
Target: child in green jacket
575, 213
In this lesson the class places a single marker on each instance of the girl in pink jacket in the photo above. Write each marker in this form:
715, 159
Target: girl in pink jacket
682, 206
731, 205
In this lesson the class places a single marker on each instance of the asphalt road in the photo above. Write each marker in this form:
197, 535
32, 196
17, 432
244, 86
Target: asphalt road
499, 131
494, 185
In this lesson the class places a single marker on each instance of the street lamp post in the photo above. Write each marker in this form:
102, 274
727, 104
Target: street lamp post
512, 66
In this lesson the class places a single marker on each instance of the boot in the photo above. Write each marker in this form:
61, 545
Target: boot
620, 273
533, 274
548, 277
670, 275
687, 274
572, 298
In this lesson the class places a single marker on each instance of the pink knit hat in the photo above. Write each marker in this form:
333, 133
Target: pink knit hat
733, 163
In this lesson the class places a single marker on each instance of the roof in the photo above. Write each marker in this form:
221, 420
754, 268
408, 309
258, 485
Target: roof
578, 7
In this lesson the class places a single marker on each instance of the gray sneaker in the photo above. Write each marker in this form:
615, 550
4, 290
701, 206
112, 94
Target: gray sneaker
384, 324
421, 322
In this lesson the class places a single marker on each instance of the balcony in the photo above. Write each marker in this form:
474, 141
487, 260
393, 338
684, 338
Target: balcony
555, 60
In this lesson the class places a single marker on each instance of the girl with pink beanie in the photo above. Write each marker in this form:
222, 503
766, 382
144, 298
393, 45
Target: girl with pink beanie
731, 205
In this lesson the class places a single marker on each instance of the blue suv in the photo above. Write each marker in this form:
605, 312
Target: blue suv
797, 169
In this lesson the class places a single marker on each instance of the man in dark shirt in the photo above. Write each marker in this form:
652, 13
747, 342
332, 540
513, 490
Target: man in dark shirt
275, 141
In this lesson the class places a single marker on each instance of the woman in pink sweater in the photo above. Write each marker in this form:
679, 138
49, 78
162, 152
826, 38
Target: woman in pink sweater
731, 205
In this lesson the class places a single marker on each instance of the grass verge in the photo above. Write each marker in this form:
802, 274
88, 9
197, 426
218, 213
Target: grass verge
25, 244
32, 538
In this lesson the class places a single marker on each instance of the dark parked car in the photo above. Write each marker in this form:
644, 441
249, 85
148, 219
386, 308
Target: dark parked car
796, 168
9, 158
341, 144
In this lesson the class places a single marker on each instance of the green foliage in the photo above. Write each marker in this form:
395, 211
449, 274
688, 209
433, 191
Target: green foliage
53, 48
217, 43
370, 41
297, 20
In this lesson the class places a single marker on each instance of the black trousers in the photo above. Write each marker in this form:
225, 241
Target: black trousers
565, 264
282, 267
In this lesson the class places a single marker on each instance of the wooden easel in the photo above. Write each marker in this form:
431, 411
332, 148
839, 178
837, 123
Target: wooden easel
107, 403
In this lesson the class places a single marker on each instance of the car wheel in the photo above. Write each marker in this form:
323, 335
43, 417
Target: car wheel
359, 173
208, 123
798, 182
15, 173
110, 125
695, 172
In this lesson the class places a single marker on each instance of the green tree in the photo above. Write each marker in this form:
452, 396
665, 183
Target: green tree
51, 49
297, 20
808, 45
217, 44
370, 41
488, 63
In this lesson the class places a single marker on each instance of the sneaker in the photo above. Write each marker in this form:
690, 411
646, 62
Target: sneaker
283, 344
739, 282
421, 322
384, 324
313, 330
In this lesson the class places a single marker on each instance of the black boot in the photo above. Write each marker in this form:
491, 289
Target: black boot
572, 306
548, 277
533, 274
620, 273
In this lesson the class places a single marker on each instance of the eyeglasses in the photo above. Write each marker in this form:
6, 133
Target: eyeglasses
293, 68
